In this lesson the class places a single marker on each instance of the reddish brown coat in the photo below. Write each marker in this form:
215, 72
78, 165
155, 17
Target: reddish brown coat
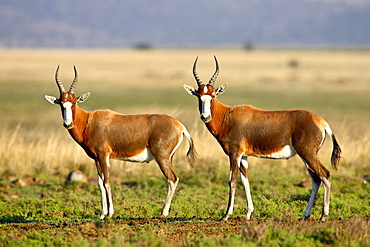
105, 134
244, 130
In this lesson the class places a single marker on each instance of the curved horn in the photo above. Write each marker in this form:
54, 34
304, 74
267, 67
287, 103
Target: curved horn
214, 76
59, 84
196, 76
72, 88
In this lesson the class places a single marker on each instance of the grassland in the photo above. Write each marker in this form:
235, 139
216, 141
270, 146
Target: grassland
33, 143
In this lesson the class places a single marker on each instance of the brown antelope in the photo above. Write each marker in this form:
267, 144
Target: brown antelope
105, 134
244, 130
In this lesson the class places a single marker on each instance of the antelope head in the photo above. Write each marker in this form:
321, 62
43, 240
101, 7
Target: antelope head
205, 92
67, 100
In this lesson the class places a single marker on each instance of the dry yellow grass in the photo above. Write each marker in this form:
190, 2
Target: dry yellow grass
33, 141
168, 68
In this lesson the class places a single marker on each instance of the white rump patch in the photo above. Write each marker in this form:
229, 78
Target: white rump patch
285, 153
145, 156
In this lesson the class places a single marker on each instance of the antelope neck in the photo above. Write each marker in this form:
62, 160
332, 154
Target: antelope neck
219, 115
80, 121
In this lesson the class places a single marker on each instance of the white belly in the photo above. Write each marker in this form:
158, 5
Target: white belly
285, 153
142, 157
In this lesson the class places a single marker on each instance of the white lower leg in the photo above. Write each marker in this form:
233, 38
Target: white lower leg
171, 191
245, 182
325, 211
110, 200
104, 198
230, 206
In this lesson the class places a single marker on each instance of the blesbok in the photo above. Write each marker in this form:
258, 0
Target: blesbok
244, 130
105, 134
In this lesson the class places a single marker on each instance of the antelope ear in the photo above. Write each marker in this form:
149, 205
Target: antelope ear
221, 89
52, 99
83, 98
190, 90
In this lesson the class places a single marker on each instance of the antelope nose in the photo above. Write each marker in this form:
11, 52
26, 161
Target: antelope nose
68, 126
205, 119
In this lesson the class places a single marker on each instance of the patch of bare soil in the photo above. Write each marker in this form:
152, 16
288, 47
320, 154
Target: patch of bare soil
176, 229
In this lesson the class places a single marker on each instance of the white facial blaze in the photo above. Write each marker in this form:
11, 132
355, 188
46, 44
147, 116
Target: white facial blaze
67, 113
206, 106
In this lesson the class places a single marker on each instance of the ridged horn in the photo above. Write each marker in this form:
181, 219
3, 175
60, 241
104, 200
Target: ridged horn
72, 88
214, 76
196, 76
59, 83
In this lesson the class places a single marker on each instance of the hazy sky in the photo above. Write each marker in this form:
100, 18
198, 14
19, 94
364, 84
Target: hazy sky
191, 23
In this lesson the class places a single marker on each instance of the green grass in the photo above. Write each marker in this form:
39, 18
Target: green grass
276, 200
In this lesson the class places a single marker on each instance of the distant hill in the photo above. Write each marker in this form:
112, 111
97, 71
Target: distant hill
188, 23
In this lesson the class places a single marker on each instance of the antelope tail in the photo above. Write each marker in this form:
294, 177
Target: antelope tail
191, 155
335, 155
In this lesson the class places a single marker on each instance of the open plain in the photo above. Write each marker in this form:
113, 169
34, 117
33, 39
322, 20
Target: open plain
37, 153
